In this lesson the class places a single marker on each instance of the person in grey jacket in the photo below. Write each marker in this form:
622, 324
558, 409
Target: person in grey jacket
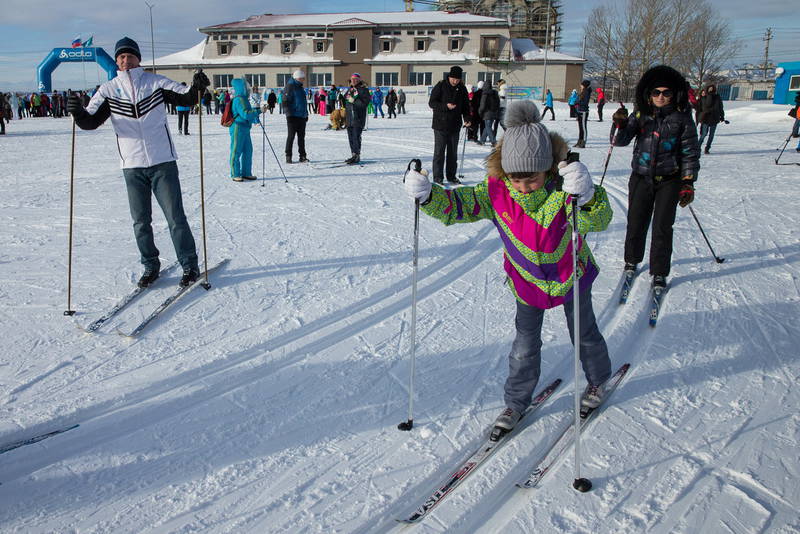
489, 111
356, 101
401, 102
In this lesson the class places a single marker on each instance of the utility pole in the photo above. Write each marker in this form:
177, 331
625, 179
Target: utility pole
152, 41
766, 38
583, 55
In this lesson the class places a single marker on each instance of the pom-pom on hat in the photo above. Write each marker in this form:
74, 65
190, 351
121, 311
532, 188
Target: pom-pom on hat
526, 142
127, 45
298, 74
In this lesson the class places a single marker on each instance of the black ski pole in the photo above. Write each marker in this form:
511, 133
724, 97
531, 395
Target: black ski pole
263, 155
463, 150
718, 259
69, 310
409, 424
782, 149
206, 285
581, 484
608, 158
286, 180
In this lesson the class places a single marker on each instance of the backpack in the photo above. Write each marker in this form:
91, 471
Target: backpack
227, 115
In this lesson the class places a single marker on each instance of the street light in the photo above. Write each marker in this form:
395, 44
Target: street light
152, 42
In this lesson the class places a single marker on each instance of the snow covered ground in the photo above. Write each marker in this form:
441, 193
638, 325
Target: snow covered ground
270, 403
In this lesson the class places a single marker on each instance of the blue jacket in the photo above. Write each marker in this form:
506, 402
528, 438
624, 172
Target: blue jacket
377, 96
548, 100
243, 114
294, 99
573, 98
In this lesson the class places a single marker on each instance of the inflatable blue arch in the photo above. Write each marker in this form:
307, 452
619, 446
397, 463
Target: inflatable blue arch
65, 55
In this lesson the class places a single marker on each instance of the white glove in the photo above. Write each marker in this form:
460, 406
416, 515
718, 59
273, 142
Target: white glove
417, 185
577, 181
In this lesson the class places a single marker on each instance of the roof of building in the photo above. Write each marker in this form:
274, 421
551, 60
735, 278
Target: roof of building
526, 50
269, 21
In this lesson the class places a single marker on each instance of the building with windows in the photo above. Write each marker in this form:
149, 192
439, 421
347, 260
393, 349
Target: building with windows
387, 49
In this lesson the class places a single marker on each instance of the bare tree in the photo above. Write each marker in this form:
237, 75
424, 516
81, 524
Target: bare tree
626, 37
708, 38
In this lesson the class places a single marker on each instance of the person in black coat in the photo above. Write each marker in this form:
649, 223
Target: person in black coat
666, 160
582, 110
449, 102
489, 111
356, 101
711, 114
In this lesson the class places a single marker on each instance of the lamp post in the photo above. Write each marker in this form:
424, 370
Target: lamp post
546, 44
152, 41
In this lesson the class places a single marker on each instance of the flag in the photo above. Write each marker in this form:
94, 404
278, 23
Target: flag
76, 42
88, 42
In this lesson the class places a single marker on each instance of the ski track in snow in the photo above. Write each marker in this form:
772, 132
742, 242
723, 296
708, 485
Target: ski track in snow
270, 402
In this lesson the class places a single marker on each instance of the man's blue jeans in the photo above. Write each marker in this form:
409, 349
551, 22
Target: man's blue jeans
707, 129
526, 352
162, 181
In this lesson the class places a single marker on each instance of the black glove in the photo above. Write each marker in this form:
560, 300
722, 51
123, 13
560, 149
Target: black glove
75, 106
200, 81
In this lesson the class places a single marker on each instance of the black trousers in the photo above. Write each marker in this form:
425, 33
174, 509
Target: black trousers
583, 122
657, 199
445, 155
552, 113
296, 126
600, 110
183, 121
354, 137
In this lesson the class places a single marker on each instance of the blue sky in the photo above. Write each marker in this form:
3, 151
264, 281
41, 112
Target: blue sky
30, 29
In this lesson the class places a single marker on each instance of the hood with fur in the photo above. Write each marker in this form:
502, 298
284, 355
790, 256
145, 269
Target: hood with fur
662, 76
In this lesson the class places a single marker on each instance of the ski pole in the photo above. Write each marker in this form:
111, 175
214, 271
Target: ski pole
718, 259
463, 150
409, 424
206, 285
782, 149
273, 152
69, 310
608, 158
581, 484
263, 155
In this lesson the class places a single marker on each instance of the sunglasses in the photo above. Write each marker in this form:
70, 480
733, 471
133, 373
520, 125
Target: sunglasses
656, 92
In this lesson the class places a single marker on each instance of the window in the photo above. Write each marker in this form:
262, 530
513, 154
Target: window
309, 35
265, 36
493, 77
420, 32
216, 37
464, 32
490, 47
245, 37
794, 83
353, 45
447, 32
455, 45
224, 49
455, 32
410, 32
319, 46
283, 79
386, 45
421, 45
256, 80
431, 32
320, 35
420, 78
319, 79
397, 32
386, 78
255, 47
234, 37
223, 37
286, 47
222, 80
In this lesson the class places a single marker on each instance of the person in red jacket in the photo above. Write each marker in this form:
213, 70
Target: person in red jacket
601, 101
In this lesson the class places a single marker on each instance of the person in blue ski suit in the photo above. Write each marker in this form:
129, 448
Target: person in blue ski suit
377, 102
244, 116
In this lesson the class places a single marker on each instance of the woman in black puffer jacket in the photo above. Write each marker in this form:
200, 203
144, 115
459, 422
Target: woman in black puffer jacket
666, 160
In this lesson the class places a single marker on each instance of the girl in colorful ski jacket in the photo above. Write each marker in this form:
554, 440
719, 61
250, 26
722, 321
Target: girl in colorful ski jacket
241, 158
527, 195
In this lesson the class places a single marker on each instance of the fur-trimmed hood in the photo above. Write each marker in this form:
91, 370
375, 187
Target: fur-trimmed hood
494, 164
662, 76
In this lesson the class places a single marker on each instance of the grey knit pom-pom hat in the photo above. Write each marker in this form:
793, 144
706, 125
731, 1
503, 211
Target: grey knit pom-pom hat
526, 142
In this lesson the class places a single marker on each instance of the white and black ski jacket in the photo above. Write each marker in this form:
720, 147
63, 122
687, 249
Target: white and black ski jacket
135, 102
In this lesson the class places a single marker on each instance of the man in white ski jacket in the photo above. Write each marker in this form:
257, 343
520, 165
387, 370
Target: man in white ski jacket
135, 102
